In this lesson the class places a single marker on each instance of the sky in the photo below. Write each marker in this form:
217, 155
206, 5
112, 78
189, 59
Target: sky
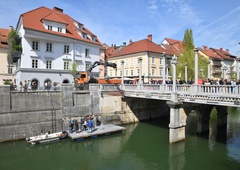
215, 23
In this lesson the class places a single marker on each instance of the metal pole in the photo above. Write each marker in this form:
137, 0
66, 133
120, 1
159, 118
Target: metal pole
186, 72
237, 69
209, 71
122, 64
140, 69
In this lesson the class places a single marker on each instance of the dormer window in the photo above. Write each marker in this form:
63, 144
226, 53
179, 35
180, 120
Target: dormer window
59, 29
84, 36
49, 27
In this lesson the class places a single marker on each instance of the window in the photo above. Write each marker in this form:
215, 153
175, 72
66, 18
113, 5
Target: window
86, 52
66, 65
78, 50
59, 29
110, 73
48, 64
161, 61
120, 73
87, 65
49, 27
126, 72
34, 63
131, 61
161, 72
153, 71
153, 60
66, 48
126, 62
49, 47
131, 72
35, 45
138, 72
9, 70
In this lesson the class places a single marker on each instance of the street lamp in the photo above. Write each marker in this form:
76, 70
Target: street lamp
186, 72
122, 64
224, 71
140, 69
209, 62
174, 94
164, 68
196, 66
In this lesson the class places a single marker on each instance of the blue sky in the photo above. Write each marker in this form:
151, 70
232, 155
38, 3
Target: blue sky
215, 23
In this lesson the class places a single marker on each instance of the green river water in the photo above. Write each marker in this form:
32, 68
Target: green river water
143, 146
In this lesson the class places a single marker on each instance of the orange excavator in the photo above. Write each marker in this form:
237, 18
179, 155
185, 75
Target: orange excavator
83, 78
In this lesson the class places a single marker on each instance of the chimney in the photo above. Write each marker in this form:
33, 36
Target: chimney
130, 41
10, 28
150, 37
58, 9
221, 49
205, 47
124, 44
227, 50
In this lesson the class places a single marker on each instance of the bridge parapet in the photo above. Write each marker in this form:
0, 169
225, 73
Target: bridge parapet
225, 95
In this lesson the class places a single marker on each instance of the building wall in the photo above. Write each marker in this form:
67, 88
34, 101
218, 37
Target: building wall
57, 56
131, 63
4, 67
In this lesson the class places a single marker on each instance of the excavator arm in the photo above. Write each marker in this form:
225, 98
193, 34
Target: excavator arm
97, 63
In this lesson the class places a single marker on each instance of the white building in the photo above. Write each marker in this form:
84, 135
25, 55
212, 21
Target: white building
51, 42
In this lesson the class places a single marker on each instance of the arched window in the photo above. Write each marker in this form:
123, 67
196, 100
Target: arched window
65, 81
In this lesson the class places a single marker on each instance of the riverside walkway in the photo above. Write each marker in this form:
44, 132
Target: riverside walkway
223, 95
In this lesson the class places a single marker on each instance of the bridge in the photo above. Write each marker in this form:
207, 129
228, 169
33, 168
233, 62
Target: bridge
223, 95
182, 98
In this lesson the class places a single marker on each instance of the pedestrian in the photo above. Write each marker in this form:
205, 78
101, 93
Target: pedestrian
20, 86
25, 86
85, 125
90, 125
45, 85
81, 124
29, 85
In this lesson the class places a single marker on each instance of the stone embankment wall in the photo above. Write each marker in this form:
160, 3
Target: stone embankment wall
25, 114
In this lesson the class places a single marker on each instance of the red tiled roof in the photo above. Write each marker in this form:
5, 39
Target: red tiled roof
224, 54
175, 45
213, 55
144, 45
34, 20
4, 37
53, 17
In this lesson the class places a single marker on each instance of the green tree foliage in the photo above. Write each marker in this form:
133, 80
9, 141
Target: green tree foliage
202, 67
188, 58
13, 45
73, 70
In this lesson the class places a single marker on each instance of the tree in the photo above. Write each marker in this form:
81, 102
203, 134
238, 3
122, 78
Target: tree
187, 56
73, 71
14, 46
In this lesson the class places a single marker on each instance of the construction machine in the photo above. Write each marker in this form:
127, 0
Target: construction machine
83, 78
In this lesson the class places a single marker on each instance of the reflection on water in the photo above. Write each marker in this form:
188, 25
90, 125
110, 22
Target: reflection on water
142, 146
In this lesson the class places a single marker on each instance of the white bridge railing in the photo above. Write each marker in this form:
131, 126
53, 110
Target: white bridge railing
227, 95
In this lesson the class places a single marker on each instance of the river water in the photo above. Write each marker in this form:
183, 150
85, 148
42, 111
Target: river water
143, 146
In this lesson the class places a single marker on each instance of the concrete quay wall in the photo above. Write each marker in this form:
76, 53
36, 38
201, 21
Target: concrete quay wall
25, 114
